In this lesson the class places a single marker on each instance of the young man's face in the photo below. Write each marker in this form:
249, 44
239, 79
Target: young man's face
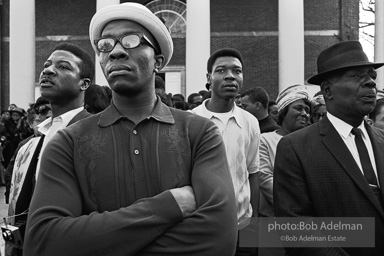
129, 71
60, 79
248, 105
226, 78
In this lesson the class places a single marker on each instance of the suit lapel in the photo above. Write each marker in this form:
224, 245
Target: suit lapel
81, 115
335, 144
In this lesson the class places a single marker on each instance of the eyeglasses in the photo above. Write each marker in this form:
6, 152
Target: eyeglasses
130, 41
43, 110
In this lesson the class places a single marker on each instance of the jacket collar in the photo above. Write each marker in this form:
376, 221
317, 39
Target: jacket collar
161, 113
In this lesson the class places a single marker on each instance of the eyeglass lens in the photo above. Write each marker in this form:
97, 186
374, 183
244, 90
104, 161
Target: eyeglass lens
128, 42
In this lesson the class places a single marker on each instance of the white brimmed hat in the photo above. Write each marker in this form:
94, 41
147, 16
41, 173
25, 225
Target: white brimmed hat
139, 14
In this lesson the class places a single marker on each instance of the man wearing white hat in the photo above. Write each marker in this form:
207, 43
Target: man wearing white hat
139, 178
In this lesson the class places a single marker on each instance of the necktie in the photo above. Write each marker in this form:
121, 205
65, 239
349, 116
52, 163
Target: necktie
364, 157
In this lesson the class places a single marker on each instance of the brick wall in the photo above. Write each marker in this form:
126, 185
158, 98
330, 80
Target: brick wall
251, 26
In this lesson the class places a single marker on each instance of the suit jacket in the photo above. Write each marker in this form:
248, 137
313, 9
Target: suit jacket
81, 115
26, 188
316, 175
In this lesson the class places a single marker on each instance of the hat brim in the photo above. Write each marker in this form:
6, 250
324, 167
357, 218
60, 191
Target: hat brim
139, 14
319, 78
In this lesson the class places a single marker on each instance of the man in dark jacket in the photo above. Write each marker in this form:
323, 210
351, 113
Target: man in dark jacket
335, 167
67, 73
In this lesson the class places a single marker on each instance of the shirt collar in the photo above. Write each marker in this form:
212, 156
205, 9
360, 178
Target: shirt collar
343, 128
161, 113
65, 118
235, 114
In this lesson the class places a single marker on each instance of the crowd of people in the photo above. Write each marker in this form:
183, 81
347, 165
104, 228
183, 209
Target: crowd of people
130, 169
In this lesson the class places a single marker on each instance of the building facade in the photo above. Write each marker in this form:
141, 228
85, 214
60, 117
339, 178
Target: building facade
251, 26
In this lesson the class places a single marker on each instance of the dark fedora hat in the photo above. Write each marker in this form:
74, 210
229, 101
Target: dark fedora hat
341, 55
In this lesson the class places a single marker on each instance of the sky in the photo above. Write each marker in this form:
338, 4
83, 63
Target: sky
365, 41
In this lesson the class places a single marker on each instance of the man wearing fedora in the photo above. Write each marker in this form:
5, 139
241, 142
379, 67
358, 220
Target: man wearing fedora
139, 178
324, 170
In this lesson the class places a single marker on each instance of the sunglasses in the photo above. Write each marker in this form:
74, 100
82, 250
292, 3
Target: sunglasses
43, 110
130, 41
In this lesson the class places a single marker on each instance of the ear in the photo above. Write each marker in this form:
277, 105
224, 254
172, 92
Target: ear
159, 60
326, 88
258, 105
209, 79
369, 121
86, 84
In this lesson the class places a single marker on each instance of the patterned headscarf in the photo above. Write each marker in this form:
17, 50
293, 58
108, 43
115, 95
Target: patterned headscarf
291, 94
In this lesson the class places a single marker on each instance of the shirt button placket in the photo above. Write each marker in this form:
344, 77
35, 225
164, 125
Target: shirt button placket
136, 151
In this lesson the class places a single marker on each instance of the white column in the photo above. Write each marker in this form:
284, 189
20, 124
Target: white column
379, 41
22, 53
291, 43
99, 75
198, 42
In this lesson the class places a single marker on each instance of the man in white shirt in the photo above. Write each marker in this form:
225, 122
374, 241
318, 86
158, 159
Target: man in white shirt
239, 129
67, 73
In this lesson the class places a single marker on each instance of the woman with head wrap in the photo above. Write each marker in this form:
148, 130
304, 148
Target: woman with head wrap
293, 114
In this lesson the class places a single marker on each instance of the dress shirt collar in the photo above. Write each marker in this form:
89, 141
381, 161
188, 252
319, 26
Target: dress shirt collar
343, 128
161, 113
65, 118
235, 113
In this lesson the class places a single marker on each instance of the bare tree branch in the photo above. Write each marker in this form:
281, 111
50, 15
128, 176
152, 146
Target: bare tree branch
367, 6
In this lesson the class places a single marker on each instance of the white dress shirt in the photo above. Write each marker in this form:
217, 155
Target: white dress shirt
49, 128
344, 130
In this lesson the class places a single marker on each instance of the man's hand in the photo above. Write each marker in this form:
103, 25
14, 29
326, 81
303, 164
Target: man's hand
185, 198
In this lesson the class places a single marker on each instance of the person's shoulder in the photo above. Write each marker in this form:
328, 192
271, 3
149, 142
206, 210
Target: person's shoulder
305, 135
199, 110
24, 141
84, 124
248, 119
88, 118
378, 131
267, 135
31, 139
188, 116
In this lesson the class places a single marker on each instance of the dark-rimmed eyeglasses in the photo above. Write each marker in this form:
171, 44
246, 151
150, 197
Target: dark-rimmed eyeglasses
130, 41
